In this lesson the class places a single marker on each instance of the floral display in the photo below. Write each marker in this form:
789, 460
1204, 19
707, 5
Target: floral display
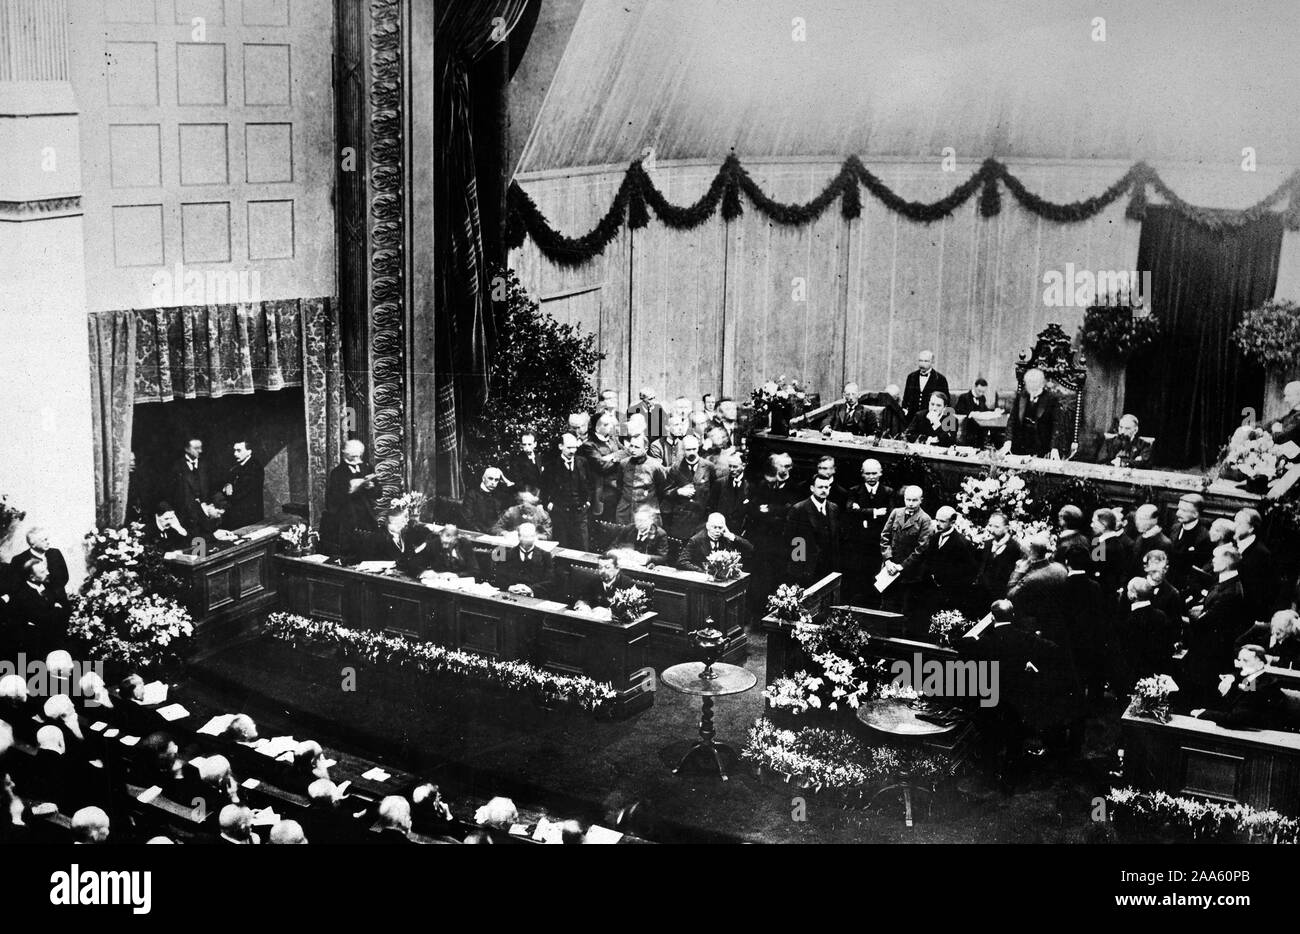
1205, 819
629, 603
1270, 334
777, 401
413, 503
845, 677
948, 625
300, 538
832, 760
1151, 697
723, 565
1252, 456
433, 659
9, 515
1003, 491
127, 612
786, 604
1112, 332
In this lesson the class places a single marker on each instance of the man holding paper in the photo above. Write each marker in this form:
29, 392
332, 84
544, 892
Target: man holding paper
903, 542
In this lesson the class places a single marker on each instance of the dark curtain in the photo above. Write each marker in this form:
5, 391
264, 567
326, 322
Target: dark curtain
466, 31
1190, 389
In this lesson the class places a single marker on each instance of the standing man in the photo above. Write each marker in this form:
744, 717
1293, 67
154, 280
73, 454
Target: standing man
568, 489
242, 493
866, 508
1112, 558
192, 487
1259, 577
1214, 625
1190, 540
903, 541
730, 492
949, 568
1150, 537
642, 479
668, 450
1031, 425
689, 484
604, 454
920, 383
813, 531
998, 559
350, 499
769, 504
524, 468
648, 406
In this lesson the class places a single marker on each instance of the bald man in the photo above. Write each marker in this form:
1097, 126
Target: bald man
351, 494
1150, 537
950, 564
1126, 449
1031, 425
903, 542
921, 382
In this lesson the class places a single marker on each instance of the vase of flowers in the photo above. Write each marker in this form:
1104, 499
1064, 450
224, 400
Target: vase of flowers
1151, 697
1252, 459
723, 565
947, 626
1114, 330
412, 502
628, 604
299, 540
778, 401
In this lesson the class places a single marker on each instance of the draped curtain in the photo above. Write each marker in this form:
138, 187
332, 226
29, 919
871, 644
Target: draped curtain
1190, 390
464, 330
209, 351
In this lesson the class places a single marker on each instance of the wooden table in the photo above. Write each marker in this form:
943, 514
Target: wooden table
707, 682
897, 721
1222, 498
496, 624
684, 601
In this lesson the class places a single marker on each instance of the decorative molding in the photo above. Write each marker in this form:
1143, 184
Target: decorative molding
39, 209
386, 213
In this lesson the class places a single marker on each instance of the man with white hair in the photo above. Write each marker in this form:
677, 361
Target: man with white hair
644, 536
1126, 449
715, 536
1146, 520
90, 825
1031, 424
482, 506
526, 569
892, 420
394, 820
689, 483
236, 822
38, 546
39, 614
1287, 428
287, 833
350, 499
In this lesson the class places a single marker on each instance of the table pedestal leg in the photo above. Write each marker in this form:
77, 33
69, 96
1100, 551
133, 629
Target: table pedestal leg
712, 753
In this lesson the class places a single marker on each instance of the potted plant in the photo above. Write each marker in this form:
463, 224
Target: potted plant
1151, 697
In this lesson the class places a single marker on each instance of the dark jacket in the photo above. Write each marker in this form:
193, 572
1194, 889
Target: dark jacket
701, 546
951, 564
859, 420
1031, 428
1144, 543
995, 570
1287, 652
820, 537
480, 509
967, 403
684, 515
537, 573
524, 472
655, 545
1260, 707
459, 559
1210, 637
769, 527
412, 556
892, 420
189, 490
345, 512
731, 500
1113, 567
1039, 598
58, 568
920, 429
1133, 453
1259, 580
904, 540
567, 490
915, 399
246, 503
594, 592
1188, 549
1144, 644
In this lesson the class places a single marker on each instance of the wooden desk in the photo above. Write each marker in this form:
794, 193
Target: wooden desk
1187, 756
1222, 498
498, 625
683, 601
230, 585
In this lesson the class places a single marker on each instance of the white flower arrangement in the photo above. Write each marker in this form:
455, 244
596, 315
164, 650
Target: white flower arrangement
947, 625
1151, 697
1206, 818
723, 565
1252, 454
412, 502
301, 538
796, 693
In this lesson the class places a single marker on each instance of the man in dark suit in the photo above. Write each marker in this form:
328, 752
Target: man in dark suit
452, 554
1249, 701
1165, 597
568, 488
409, 546
165, 532
769, 505
350, 495
973, 400
644, 536
949, 566
997, 559
39, 615
813, 530
1190, 541
1037, 590
1144, 641
647, 406
686, 501
524, 468
1031, 424
1287, 428
191, 488
1112, 557
604, 454
1214, 624
482, 506
934, 424
598, 590
903, 541
242, 494
1146, 520
526, 569
920, 383
866, 507
714, 537
1259, 576
1087, 619
38, 546
668, 449
730, 492
1126, 449
849, 414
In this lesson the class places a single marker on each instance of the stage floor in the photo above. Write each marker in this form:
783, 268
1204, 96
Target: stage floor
574, 766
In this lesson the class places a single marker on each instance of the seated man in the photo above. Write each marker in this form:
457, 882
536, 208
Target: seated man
38, 546
394, 820
483, 505
39, 615
1280, 638
644, 535
1245, 702
849, 414
973, 400
715, 537
609, 579
526, 569
1126, 449
399, 541
892, 420
936, 425
527, 508
236, 822
165, 532
452, 554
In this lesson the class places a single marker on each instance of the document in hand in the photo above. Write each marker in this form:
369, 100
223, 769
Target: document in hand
884, 579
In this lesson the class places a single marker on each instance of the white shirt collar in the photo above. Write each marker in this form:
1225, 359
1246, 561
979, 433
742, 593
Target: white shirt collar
1244, 543
1151, 532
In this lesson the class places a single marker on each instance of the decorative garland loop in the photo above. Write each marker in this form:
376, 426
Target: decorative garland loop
638, 195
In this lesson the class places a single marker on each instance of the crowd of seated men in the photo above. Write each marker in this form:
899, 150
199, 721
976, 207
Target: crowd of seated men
94, 765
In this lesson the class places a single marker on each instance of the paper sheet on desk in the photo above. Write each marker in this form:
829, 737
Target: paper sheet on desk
314, 559
374, 567
975, 631
376, 775
217, 725
884, 579
155, 692
1290, 450
173, 712
598, 834
265, 532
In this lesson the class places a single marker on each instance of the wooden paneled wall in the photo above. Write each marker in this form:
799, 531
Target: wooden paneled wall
720, 308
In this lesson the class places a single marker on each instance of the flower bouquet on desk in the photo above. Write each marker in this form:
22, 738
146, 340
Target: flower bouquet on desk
299, 539
1151, 697
628, 604
1252, 459
778, 401
723, 565
413, 503
947, 626
786, 605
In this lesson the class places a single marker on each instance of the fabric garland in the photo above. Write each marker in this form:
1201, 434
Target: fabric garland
638, 196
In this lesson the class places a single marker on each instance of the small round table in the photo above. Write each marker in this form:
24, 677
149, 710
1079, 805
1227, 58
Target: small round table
897, 720
720, 680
